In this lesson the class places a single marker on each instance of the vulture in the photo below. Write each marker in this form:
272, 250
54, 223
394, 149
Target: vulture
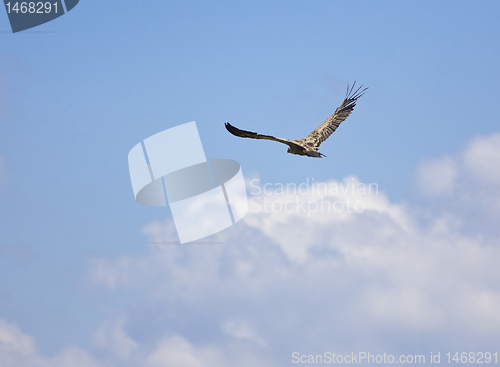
309, 145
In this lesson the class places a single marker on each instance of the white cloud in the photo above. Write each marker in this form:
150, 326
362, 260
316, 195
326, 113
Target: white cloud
410, 277
465, 188
482, 159
111, 337
437, 176
178, 352
476, 166
13, 341
312, 278
242, 330
281, 215
115, 348
19, 350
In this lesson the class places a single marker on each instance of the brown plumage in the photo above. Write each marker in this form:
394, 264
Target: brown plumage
309, 145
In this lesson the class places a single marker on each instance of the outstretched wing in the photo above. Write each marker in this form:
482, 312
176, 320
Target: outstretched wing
248, 134
331, 124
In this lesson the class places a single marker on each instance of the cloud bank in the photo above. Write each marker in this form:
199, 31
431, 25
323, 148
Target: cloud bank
411, 277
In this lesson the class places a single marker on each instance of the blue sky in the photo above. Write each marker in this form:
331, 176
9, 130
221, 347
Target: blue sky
77, 93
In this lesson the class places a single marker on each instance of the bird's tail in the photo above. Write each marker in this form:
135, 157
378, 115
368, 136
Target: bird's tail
315, 154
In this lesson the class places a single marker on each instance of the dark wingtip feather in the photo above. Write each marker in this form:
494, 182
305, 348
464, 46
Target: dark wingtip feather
230, 127
352, 95
355, 94
233, 130
237, 132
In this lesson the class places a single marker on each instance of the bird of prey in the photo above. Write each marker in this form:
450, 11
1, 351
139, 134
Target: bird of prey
309, 145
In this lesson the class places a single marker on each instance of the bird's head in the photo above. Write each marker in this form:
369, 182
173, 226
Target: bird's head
289, 150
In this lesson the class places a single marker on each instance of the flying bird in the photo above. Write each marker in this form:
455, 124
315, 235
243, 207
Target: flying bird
309, 145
